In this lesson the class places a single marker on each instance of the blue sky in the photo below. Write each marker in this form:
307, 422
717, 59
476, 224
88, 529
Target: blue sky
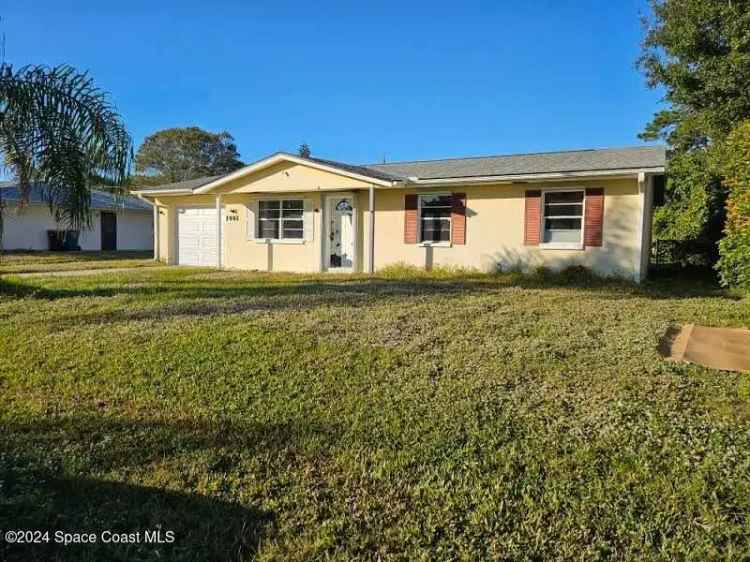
358, 81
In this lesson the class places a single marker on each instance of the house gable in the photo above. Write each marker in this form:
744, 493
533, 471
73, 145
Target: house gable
287, 176
283, 172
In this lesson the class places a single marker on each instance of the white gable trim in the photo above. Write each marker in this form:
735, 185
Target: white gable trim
143, 193
283, 157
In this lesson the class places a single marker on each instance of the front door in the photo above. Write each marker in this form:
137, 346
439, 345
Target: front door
109, 231
340, 254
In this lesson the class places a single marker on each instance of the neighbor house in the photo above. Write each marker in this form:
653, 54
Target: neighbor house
288, 213
118, 223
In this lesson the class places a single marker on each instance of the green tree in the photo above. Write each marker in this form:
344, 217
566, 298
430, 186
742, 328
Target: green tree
304, 150
734, 248
173, 155
698, 51
58, 129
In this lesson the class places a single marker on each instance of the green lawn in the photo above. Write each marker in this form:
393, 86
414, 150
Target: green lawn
405, 417
37, 261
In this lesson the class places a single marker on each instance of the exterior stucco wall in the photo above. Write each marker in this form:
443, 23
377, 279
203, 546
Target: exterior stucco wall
164, 230
26, 229
241, 253
135, 231
495, 228
285, 179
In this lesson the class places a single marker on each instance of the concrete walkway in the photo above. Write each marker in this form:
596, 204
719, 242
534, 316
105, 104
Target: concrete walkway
77, 272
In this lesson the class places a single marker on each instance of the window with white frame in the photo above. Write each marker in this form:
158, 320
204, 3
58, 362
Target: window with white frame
435, 217
562, 220
281, 219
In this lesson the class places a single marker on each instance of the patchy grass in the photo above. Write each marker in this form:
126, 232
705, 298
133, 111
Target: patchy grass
37, 261
430, 417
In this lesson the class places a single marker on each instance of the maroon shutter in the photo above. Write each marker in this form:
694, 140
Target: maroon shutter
410, 219
533, 220
593, 223
458, 218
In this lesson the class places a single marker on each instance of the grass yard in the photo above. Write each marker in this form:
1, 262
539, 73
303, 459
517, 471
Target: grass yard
405, 417
38, 261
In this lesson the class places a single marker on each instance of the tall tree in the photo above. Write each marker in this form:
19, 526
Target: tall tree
734, 263
304, 150
173, 155
57, 128
699, 52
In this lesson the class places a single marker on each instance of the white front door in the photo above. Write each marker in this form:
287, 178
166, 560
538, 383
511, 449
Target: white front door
340, 241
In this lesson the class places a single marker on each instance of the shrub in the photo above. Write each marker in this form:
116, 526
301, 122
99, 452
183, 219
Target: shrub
542, 272
734, 248
579, 274
406, 271
734, 263
690, 198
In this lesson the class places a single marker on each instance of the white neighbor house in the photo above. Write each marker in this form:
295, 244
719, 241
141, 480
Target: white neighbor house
118, 224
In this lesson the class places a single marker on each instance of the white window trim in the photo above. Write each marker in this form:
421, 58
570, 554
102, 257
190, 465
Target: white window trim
562, 245
443, 244
259, 240
280, 241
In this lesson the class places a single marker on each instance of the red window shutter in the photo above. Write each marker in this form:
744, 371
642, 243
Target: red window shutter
533, 219
410, 219
458, 218
593, 223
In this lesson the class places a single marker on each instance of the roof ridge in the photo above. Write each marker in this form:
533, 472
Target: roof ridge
513, 155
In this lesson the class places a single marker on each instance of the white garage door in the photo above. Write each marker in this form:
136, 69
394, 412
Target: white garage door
196, 236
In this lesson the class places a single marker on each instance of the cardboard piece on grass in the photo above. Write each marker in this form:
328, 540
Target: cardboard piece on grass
726, 349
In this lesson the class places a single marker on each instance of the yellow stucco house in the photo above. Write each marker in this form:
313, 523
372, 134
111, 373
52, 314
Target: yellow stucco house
288, 213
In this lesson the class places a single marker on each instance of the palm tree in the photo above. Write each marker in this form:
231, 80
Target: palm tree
59, 130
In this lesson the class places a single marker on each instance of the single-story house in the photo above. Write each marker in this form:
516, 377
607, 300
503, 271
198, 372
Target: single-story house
119, 223
288, 213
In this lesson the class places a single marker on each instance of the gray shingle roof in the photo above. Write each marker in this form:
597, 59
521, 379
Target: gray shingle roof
508, 165
539, 163
367, 171
100, 200
180, 185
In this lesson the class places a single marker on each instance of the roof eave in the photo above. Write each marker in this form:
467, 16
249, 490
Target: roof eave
116, 208
158, 192
511, 178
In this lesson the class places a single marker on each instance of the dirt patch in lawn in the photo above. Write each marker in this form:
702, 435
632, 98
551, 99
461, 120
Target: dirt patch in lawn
726, 349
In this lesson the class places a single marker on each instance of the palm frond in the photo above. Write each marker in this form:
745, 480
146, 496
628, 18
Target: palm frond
59, 129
